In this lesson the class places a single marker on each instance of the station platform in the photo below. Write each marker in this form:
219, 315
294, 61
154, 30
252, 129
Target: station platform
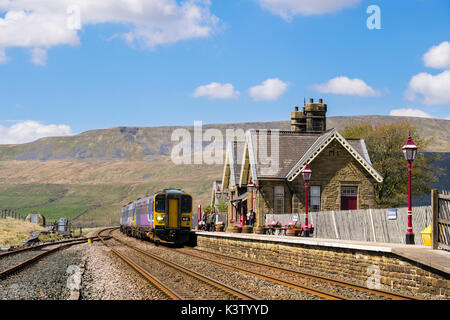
436, 259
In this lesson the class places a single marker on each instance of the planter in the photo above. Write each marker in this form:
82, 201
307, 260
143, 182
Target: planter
219, 228
259, 230
247, 229
291, 232
236, 229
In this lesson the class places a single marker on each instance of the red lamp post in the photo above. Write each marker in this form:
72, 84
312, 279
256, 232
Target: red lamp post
306, 173
409, 152
252, 187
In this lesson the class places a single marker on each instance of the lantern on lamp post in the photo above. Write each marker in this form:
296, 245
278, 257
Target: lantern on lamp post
251, 187
218, 193
306, 173
409, 152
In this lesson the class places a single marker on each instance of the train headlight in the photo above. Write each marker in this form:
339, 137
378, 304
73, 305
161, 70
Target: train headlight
185, 218
159, 218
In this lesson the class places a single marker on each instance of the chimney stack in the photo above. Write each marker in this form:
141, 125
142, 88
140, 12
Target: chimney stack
298, 120
312, 119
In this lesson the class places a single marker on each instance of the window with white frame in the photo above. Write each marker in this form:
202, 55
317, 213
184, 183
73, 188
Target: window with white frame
279, 199
315, 198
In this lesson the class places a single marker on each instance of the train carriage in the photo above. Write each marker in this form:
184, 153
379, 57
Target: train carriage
165, 216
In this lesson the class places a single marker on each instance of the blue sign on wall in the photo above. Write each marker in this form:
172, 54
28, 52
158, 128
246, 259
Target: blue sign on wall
392, 214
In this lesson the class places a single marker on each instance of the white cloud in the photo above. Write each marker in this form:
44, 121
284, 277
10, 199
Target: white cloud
347, 86
47, 23
27, 131
39, 57
435, 89
271, 89
289, 8
409, 112
216, 90
438, 56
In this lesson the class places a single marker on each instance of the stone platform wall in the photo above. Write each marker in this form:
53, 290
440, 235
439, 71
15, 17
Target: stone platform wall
382, 270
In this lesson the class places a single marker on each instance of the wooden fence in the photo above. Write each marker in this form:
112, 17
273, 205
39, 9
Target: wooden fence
4, 213
440, 206
371, 225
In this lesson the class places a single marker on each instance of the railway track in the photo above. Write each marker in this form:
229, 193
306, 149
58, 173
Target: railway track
292, 277
179, 282
31, 259
34, 247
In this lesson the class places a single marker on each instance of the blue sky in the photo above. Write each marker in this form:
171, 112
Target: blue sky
119, 68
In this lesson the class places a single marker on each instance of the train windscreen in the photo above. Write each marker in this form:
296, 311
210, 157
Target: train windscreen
186, 204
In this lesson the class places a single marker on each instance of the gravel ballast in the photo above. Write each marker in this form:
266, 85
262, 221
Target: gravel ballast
45, 280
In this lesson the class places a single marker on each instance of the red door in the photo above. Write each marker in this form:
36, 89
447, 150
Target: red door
349, 198
349, 203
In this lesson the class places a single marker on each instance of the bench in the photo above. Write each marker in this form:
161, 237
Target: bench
271, 227
287, 225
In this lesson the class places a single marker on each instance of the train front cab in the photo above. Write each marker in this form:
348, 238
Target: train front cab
173, 217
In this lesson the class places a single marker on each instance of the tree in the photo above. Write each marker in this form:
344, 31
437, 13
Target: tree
384, 143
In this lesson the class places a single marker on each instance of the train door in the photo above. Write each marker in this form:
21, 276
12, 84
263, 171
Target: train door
173, 213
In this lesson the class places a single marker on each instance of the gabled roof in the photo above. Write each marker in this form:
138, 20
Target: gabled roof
232, 167
259, 144
356, 148
295, 150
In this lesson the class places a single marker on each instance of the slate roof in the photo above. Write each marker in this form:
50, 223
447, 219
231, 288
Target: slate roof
292, 146
296, 148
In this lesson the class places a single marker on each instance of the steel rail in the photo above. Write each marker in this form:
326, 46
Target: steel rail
341, 283
24, 264
173, 295
303, 288
213, 282
38, 246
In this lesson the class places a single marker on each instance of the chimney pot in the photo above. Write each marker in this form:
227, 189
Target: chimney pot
311, 100
296, 108
320, 100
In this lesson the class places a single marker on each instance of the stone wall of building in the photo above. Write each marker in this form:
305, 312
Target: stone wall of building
369, 268
331, 170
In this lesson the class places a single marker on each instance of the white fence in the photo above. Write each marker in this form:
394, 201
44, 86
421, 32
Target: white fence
370, 225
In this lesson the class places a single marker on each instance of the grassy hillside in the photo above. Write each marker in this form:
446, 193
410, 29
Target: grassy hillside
95, 191
150, 143
89, 177
13, 232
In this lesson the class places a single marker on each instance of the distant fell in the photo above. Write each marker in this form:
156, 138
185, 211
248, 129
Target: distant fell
150, 143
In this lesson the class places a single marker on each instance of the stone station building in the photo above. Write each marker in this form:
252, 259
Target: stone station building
343, 177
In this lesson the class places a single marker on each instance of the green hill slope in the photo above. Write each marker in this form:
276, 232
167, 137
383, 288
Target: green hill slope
88, 177
149, 143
